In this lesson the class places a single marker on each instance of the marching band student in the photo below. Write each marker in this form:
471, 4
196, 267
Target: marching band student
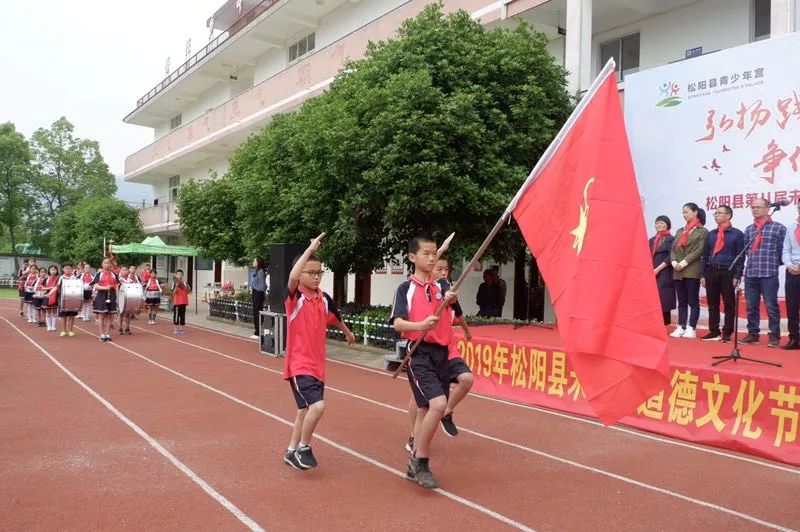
152, 297
28, 288
67, 316
130, 277
180, 299
50, 299
86, 277
38, 292
105, 283
22, 275
413, 314
147, 271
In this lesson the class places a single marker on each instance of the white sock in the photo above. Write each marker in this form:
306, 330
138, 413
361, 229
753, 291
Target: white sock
301, 445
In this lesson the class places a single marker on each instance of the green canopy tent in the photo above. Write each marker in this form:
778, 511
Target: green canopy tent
153, 245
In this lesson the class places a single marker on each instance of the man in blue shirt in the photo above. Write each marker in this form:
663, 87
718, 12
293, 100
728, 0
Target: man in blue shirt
764, 254
791, 258
723, 244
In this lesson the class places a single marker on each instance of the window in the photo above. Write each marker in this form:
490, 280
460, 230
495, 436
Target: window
174, 184
761, 19
625, 52
175, 121
302, 47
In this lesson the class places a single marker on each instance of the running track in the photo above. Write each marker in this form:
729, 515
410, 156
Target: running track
154, 431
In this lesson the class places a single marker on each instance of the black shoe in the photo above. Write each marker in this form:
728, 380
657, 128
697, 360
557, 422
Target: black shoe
128, 332
792, 344
419, 472
305, 457
749, 339
712, 337
121, 332
774, 342
410, 444
726, 338
290, 458
108, 338
448, 426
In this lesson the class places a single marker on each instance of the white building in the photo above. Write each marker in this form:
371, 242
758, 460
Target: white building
269, 56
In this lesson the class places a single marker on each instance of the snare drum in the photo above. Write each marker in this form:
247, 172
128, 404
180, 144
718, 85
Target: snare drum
39, 294
71, 295
130, 298
152, 294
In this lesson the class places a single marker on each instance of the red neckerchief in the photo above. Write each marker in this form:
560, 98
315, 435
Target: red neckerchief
152, 284
87, 277
720, 243
686, 230
106, 279
51, 281
32, 278
657, 240
797, 230
759, 227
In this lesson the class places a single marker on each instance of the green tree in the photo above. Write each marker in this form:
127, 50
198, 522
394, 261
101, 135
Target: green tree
207, 213
79, 229
432, 132
15, 199
67, 169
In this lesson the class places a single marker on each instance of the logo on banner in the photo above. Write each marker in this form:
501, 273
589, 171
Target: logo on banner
669, 93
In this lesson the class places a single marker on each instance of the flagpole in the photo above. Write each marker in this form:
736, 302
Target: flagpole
608, 69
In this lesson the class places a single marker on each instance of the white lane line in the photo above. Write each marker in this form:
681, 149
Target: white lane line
240, 515
588, 421
340, 447
520, 447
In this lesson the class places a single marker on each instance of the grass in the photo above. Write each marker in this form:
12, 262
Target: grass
8, 293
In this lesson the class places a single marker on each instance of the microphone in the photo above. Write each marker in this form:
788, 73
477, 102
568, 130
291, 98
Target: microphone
781, 203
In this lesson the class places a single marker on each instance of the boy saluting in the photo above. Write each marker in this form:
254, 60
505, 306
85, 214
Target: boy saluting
309, 311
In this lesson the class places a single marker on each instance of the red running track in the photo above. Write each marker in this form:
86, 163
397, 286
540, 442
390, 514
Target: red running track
191, 431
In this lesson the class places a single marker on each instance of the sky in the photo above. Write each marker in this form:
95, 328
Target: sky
90, 60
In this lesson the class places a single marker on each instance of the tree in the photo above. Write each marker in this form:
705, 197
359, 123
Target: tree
67, 169
432, 132
207, 213
78, 230
15, 199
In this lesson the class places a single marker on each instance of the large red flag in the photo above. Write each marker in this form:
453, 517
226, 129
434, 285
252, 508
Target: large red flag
581, 215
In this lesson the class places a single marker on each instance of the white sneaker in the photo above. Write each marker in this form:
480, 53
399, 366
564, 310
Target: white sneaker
689, 333
254, 336
678, 333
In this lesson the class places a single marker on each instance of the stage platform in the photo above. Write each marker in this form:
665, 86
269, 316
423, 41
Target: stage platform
743, 406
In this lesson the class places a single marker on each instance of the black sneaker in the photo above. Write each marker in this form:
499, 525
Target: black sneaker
128, 332
773, 342
726, 338
305, 457
419, 472
290, 458
712, 337
410, 444
120, 332
448, 426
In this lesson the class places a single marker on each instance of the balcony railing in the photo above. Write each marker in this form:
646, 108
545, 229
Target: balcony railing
215, 43
163, 215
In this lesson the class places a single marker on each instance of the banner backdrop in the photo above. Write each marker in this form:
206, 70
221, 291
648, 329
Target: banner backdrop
720, 129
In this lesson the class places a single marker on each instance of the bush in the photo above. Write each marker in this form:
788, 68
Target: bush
244, 296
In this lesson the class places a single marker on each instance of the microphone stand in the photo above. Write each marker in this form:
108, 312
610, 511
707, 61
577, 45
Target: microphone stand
735, 355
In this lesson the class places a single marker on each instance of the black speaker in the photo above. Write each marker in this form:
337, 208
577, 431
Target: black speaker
281, 257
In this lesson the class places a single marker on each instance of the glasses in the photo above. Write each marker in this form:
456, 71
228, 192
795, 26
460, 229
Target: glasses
314, 273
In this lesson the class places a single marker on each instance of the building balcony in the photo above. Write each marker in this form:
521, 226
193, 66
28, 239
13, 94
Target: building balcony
160, 219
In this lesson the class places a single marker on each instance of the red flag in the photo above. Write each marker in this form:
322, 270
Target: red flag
581, 215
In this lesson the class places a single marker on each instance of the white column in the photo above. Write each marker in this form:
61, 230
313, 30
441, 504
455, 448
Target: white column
781, 18
578, 51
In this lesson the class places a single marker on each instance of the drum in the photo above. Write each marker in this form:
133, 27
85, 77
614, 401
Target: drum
39, 294
130, 298
152, 294
29, 288
71, 295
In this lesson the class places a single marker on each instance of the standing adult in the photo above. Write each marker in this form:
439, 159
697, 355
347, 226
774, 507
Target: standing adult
488, 296
723, 244
501, 289
660, 247
791, 258
686, 256
764, 256
259, 286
